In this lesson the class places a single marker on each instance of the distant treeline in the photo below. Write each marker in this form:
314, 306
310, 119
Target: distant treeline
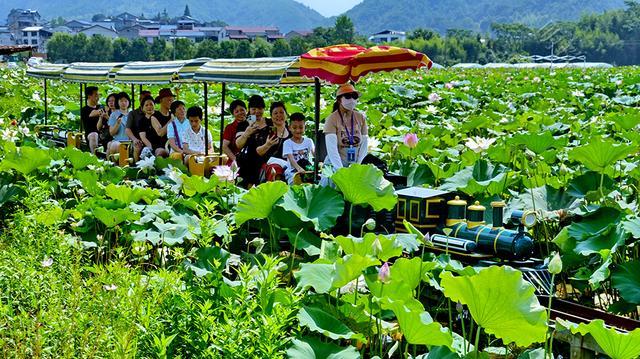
612, 37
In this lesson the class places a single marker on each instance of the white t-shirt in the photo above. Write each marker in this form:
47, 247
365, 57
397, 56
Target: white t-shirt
182, 127
196, 140
298, 150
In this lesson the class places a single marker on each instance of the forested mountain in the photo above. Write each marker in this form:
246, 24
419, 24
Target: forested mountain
286, 14
376, 15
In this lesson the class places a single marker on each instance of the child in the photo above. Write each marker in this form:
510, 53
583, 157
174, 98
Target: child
298, 148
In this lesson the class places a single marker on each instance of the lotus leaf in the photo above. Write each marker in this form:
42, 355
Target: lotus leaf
419, 328
351, 267
501, 302
317, 320
192, 185
128, 195
600, 154
316, 204
113, 217
89, 180
318, 276
312, 348
375, 245
626, 279
258, 202
615, 344
80, 159
365, 185
25, 160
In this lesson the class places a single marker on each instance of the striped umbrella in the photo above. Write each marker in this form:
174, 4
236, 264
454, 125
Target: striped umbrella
340, 64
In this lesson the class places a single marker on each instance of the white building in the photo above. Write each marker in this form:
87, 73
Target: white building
388, 36
99, 30
35, 36
6, 37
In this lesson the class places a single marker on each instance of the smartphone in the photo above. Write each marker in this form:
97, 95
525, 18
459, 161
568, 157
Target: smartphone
252, 119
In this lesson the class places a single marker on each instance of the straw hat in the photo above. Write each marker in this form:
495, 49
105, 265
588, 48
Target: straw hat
346, 88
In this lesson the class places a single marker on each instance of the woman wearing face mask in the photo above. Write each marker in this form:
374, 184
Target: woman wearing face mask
345, 130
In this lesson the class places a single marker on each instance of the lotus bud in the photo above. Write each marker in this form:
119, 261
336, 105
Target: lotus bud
563, 169
370, 224
376, 246
411, 140
384, 273
427, 239
555, 264
459, 307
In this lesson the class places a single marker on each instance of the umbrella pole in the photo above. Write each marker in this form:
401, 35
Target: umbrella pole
133, 97
81, 105
224, 94
206, 119
317, 88
46, 108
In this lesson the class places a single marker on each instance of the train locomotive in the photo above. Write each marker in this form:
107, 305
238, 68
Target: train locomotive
456, 227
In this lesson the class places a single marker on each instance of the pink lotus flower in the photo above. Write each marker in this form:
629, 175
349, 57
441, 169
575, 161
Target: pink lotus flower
434, 97
449, 86
384, 273
411, 140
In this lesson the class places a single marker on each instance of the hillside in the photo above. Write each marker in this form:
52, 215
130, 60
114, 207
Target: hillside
286, 14
376, 15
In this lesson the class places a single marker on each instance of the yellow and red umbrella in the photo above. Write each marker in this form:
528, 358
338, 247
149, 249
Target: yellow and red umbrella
339, 64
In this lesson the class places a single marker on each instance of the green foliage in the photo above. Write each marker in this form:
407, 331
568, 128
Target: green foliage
615, 344
364, 185
312, 348
501, 302
626, 279
319, 205
258, 202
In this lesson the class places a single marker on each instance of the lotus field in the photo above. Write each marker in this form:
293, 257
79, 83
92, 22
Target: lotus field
102, 261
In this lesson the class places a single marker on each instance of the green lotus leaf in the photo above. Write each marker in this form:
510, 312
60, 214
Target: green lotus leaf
128, 195
306, 240
9, 193
381, 246
600, 154
25, 160
113, 217
602, 272
80, 159
611, 238
148, 235
113, 174
626, 279
258, 202
501, 302
313, 348
192, 185
318, 276
419, 328
632, 226
405, 275
482, 176
582, 185
317, 320
537, 142
365, 185
316, 204
615, 344
208, 260
90, 183
351, 267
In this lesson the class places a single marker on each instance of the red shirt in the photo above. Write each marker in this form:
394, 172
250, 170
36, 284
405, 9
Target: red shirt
231, 131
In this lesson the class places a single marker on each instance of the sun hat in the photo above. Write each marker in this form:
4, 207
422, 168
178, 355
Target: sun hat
346, 88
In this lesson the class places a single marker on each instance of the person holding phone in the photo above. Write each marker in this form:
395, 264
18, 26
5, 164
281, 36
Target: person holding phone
255, 121
239, 111
258, 134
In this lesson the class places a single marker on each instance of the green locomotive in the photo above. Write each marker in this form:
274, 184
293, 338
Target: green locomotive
459, 228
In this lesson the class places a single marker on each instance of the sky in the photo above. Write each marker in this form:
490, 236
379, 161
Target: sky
330, 7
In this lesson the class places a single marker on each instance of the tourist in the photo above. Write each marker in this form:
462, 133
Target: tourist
133, 126
239, 111
194, 140
177, 127
270, 152
90, 115
157, 134
298, 149
257, 134
118, 123
104, 134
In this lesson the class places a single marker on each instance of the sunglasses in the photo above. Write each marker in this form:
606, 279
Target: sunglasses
350, 96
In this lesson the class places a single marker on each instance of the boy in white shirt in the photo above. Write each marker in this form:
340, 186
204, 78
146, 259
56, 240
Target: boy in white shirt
194, 140
299, 149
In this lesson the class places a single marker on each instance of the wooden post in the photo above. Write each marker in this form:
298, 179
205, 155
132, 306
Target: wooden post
318, 88
224, 94
206, 119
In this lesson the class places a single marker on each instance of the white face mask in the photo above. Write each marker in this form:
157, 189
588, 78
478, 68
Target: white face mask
349, 103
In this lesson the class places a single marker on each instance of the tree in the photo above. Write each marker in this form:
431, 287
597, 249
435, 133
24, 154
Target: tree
208, 48
244, 50
228, 49
59, 47
298, 46
121, 48
344, 30
261, 48
139, 50
78, 48
421, 33
187, 12
184, 49
281, 48
99, 49
158, 50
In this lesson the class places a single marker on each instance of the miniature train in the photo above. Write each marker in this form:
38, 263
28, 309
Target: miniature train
457, 228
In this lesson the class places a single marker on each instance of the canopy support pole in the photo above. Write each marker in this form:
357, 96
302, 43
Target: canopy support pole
317, 88
81, 106
46, 108
224, 94
206, 119
133, 96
